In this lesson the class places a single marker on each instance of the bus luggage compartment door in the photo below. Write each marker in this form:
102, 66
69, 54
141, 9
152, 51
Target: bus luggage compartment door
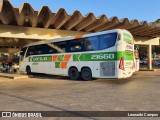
107, 69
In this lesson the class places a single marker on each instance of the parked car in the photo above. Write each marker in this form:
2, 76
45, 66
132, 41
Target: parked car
157, 63
145, 62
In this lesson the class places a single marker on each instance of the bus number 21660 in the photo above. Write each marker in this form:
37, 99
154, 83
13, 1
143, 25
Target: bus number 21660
102, 56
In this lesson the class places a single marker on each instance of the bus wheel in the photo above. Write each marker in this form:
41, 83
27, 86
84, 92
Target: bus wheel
28, 70
73, 73
86, 74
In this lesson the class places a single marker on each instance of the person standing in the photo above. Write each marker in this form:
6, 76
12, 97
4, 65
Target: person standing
9, 66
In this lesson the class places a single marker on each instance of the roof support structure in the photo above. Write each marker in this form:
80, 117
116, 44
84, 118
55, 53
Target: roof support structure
7, 31
26, 16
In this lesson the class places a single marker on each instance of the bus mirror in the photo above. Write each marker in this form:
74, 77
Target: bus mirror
119, 37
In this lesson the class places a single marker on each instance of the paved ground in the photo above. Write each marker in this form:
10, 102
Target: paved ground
141, 92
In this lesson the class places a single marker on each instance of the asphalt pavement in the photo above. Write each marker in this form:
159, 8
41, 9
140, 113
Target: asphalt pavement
141, 92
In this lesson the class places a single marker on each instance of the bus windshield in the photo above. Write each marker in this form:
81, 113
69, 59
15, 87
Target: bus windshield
22, 52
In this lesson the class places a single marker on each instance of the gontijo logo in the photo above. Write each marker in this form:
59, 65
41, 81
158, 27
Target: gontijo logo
128, 38
40, 59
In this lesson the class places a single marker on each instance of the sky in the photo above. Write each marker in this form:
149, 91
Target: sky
132, 9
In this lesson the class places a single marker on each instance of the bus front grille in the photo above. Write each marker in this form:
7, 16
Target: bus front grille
107, 69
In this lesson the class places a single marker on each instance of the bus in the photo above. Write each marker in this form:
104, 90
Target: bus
107, 54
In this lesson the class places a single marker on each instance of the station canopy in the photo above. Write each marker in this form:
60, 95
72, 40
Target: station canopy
26, 16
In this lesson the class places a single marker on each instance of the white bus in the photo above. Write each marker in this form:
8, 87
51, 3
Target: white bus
107, 54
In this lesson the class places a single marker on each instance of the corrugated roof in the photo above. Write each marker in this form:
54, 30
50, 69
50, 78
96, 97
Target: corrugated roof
44, 18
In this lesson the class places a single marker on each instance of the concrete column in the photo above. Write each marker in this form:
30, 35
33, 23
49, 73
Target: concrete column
149, 51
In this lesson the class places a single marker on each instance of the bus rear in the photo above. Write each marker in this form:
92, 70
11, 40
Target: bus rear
125, 56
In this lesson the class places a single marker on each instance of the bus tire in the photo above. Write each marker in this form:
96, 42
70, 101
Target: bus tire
28, 70
73, 73
86, 73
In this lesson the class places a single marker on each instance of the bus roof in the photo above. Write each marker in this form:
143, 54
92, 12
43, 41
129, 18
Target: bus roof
74, 37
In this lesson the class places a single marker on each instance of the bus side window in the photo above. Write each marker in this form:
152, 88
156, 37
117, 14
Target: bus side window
39, 49
107, 40
31, 51
76, 45
61, 47
50, 49
91, 43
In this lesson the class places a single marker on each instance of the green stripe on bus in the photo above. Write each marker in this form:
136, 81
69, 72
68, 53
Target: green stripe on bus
57, 64
40, 59
76, 57
103, 56
120, 54
60, 57
129, 55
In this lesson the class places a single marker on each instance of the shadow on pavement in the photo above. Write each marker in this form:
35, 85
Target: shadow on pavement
106, 81
72, 113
